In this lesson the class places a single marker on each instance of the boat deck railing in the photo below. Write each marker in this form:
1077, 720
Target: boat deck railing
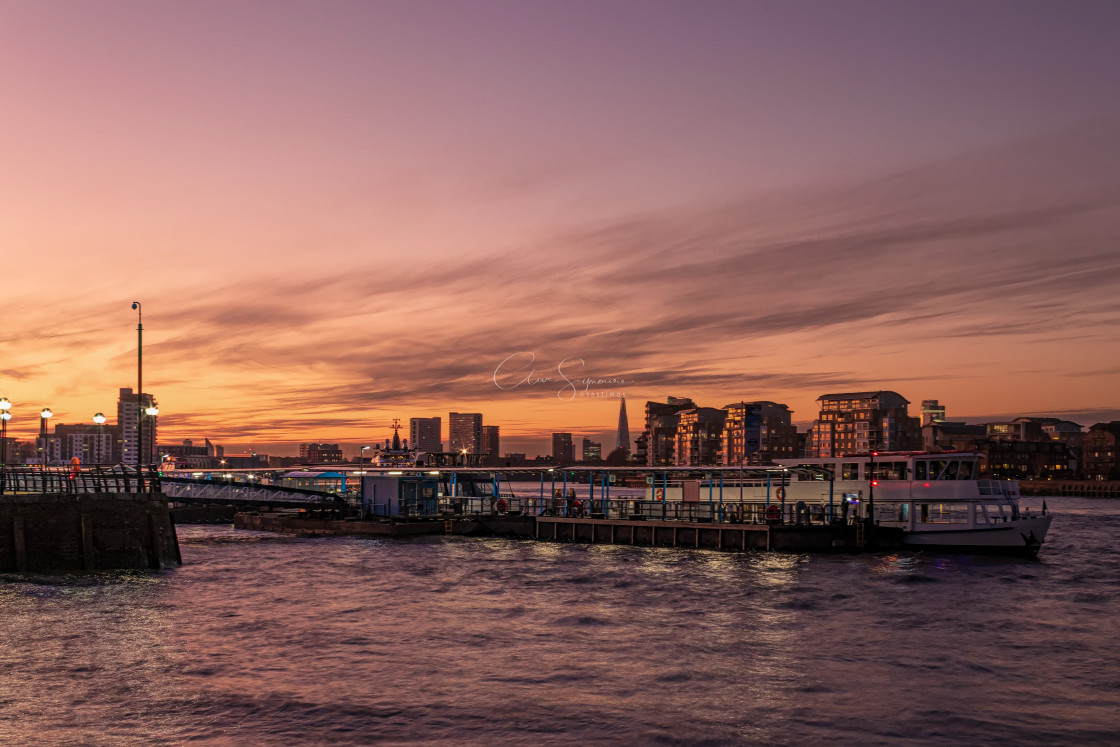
734, 512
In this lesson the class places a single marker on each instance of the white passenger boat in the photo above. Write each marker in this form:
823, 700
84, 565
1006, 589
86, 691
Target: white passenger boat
935, 498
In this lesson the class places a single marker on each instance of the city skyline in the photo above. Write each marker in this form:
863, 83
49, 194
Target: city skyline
531, 447
398, 210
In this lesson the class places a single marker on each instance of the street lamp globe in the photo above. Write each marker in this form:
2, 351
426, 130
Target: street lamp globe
5, 415
99, 418
153, 411
5, 405
46, 413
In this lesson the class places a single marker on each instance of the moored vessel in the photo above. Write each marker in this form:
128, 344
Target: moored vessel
936, 499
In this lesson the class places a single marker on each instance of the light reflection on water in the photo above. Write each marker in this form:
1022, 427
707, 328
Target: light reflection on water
263, 638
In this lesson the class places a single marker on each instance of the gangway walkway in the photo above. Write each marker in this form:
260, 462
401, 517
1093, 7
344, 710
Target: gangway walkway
184, 490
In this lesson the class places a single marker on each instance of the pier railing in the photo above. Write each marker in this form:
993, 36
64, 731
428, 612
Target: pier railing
726, 512
120, 478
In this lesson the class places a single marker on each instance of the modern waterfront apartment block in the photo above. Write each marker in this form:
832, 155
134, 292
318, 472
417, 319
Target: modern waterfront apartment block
129, 405
491, 440
758, 433
859, 422
464, 430
426, 434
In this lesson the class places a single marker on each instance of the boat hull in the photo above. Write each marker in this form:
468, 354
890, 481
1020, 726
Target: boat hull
1020, 538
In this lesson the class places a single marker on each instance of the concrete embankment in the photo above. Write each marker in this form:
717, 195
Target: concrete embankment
60, 533
730, 537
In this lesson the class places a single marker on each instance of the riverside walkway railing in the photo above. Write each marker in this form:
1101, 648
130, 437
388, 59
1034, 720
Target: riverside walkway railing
119, 478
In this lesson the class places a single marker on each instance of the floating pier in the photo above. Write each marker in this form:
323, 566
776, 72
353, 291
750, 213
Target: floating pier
641, 533
471, 501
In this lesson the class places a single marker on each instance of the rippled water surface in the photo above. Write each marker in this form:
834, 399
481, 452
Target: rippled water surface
266, 639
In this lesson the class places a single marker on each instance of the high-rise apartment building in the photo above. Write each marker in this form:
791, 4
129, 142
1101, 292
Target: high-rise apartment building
426, 434
932, 412
320, 453
129, 449
563, 448
859, 422
92, 444
758, 433
592, 450
464, 430
491, 441
659, 441
699, 437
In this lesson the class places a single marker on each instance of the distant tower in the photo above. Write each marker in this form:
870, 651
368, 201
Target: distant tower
465, 431
933, 412
491, 440
622, 441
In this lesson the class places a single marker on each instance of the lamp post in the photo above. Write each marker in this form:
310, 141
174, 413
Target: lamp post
139, 392
44, 415
99, 418
151, 412
5, 416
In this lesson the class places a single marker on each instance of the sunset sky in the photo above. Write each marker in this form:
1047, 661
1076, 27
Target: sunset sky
337, 213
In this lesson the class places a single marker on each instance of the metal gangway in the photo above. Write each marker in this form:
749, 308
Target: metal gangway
192, 491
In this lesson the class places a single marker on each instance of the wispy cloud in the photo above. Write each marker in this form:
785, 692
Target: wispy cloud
762, 297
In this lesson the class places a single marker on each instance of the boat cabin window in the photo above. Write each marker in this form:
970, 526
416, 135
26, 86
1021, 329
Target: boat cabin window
890, 470
850, 471
993, 512
945, 469
945, 513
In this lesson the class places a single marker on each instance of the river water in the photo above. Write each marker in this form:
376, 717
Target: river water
260, 638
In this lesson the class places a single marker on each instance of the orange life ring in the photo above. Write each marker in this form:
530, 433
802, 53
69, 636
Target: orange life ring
502, 505
773, 512
781, 494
